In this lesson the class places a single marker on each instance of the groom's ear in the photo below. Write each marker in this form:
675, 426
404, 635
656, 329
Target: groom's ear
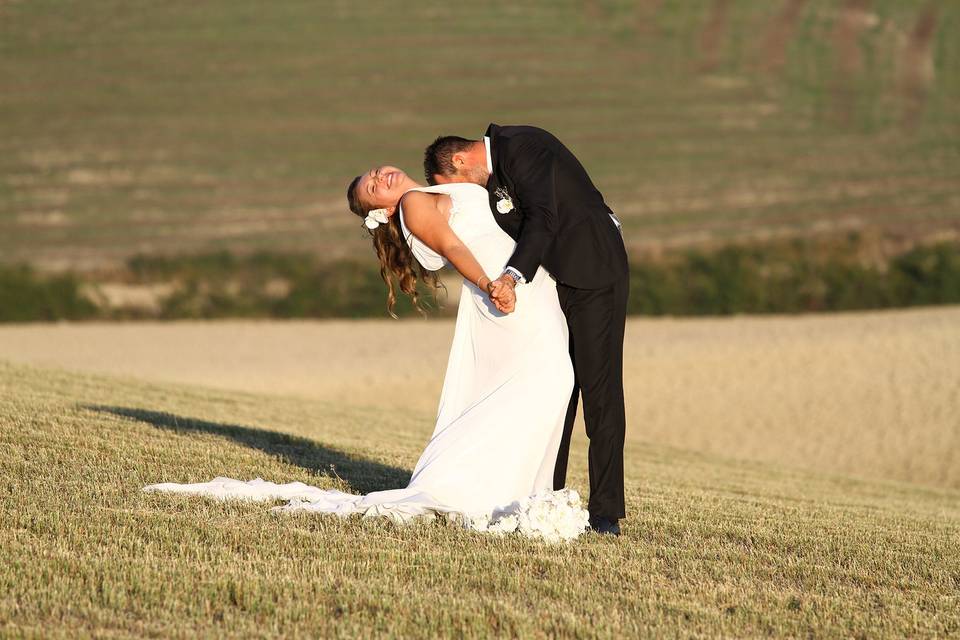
459, 160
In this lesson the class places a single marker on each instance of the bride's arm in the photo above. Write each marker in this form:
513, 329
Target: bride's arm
425, 220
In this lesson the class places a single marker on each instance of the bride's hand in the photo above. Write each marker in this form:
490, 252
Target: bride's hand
502, 295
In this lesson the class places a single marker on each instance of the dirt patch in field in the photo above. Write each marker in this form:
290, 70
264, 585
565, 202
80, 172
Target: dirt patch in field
780, 32
917, 71
713, 34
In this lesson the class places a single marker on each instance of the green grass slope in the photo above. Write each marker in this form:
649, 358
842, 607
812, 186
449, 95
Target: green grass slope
711, 547
184, 127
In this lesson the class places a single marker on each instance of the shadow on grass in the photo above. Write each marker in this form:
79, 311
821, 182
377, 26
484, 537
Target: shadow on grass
363, 476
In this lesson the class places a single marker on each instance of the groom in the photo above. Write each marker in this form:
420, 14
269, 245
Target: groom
545, 200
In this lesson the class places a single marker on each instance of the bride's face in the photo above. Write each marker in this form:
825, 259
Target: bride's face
382, 187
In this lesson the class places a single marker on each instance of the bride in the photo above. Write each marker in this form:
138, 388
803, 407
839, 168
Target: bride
490, 461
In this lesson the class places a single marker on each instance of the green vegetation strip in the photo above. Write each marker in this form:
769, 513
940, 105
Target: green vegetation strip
794, 277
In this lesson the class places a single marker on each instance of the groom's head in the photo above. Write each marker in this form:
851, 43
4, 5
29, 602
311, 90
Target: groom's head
456, 159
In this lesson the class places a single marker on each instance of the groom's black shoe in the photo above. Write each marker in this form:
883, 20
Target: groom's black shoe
604, 525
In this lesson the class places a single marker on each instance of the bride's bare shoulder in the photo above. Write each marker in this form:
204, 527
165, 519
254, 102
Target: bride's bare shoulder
417, 200
421, 206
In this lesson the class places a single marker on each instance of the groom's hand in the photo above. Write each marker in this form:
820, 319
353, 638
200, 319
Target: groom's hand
502, 294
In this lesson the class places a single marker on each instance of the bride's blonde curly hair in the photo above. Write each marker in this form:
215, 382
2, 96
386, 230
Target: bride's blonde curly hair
398, 267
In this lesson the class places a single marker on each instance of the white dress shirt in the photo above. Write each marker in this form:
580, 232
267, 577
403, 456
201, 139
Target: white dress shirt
511, 270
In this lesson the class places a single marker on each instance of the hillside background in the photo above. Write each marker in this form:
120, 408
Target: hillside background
193, 129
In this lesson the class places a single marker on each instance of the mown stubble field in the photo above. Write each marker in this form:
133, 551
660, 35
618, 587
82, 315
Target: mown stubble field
870, 394
712, 547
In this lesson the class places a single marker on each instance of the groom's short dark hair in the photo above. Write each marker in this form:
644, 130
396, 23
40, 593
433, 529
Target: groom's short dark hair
438, 157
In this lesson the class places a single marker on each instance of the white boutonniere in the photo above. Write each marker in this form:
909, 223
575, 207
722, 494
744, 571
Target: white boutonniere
505, 203
375, 218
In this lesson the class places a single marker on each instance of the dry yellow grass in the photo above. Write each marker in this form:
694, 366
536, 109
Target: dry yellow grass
874, 394
711, 547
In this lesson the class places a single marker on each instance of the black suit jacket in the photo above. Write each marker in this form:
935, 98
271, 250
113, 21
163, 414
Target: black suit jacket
559, 217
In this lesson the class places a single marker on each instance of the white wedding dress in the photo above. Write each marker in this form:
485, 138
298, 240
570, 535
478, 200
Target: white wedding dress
490, 461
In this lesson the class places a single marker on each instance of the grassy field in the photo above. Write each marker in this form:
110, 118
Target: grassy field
179, 127
871, 394
712, 546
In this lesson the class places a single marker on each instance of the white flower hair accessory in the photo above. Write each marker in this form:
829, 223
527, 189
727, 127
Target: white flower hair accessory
375, 218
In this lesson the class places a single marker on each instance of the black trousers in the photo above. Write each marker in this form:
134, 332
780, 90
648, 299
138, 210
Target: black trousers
596, 319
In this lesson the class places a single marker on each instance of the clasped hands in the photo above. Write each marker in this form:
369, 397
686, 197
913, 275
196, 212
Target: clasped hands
501, 293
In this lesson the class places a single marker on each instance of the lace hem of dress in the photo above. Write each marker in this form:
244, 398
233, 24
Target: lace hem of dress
553, 516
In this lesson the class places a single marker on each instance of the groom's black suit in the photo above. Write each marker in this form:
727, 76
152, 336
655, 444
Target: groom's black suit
560, 221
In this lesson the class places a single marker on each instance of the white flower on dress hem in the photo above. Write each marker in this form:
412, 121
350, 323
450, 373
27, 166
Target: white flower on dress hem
553, 516
375, 218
